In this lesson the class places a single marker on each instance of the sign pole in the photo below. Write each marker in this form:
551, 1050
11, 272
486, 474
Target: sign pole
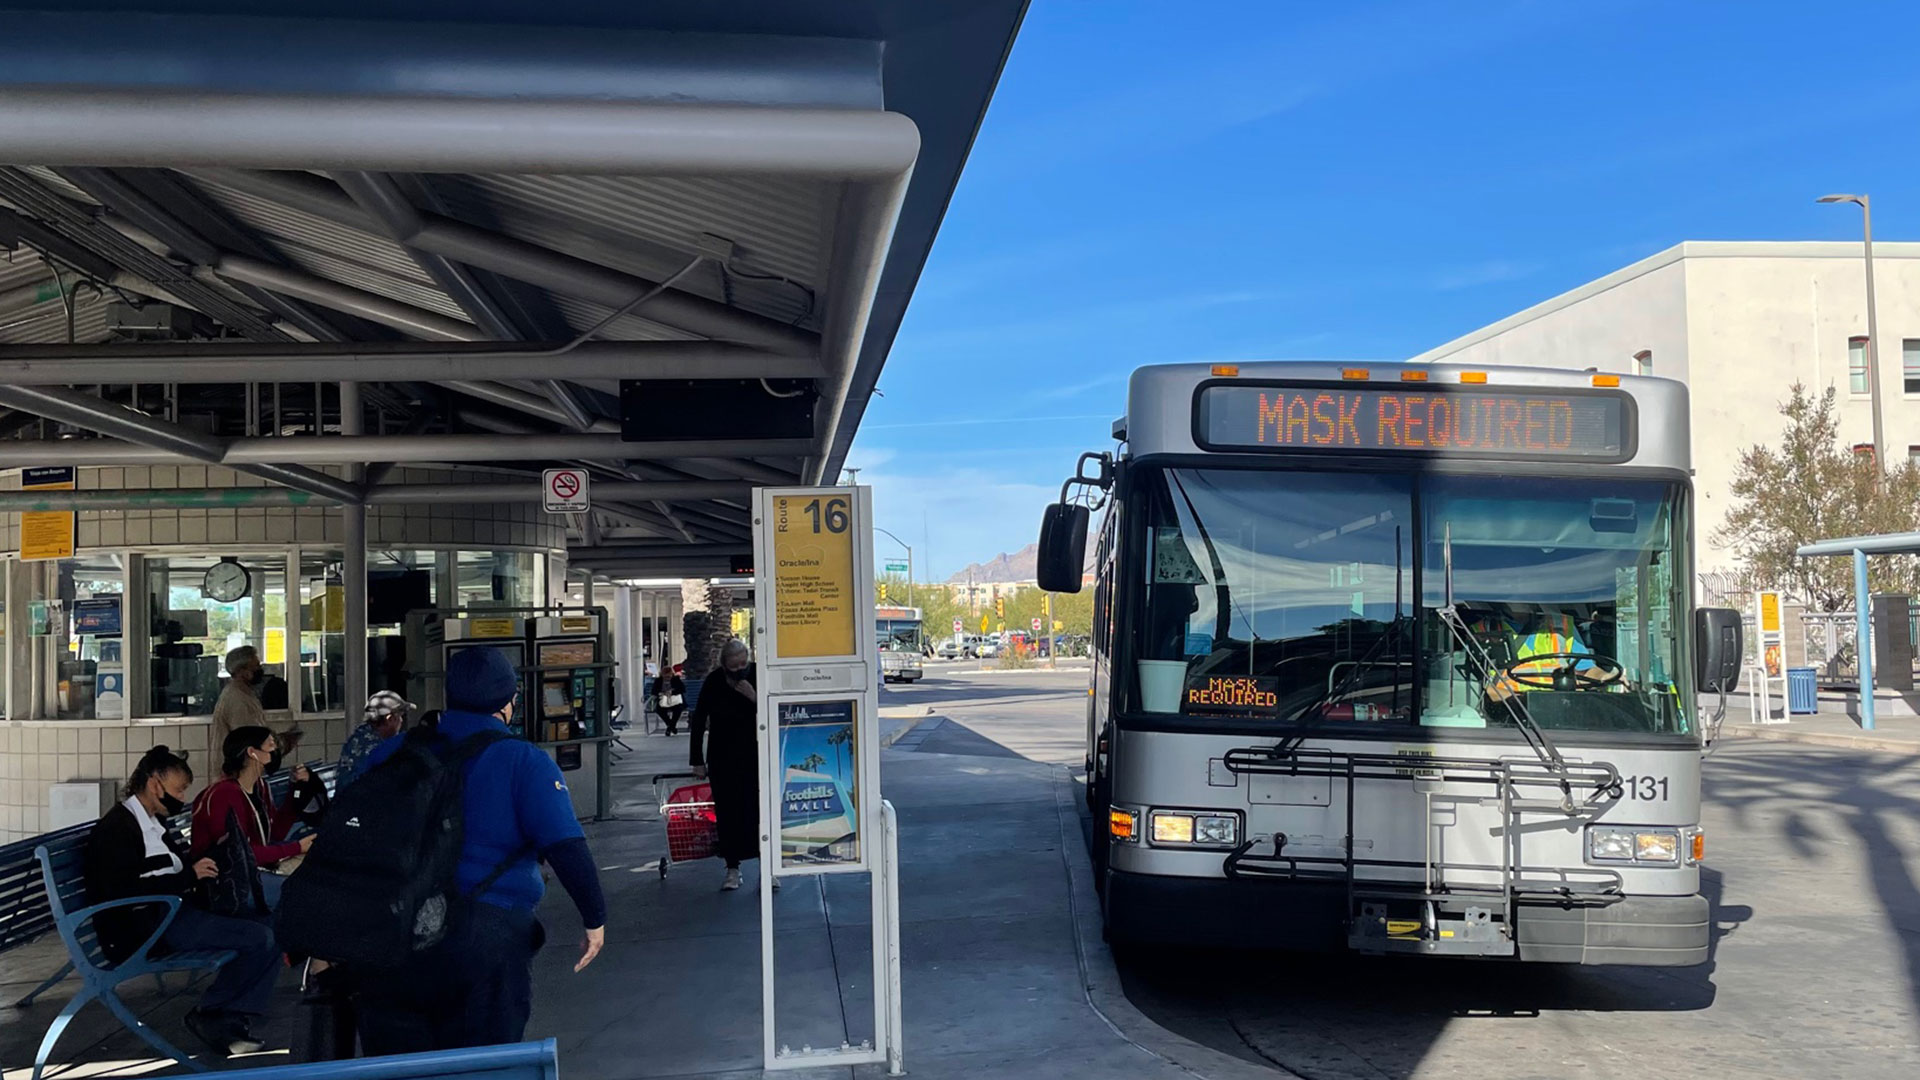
818, 720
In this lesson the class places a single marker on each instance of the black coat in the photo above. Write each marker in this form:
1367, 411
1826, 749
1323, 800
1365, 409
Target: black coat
724, 739
115, 860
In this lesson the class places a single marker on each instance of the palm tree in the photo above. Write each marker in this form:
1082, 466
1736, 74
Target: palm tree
811, 763
839, 740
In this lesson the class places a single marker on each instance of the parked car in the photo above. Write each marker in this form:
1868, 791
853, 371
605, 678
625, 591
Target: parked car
987, 648
951, 649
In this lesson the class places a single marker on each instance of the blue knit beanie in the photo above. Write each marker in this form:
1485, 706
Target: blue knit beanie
481, 680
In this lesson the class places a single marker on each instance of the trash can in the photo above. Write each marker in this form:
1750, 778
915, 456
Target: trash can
1803, 694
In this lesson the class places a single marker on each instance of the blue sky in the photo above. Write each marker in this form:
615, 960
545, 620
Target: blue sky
1173, 182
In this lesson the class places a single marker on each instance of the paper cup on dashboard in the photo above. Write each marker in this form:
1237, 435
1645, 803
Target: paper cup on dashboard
1160, 684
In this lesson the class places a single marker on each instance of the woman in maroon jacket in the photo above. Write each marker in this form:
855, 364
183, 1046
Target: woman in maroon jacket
249, 754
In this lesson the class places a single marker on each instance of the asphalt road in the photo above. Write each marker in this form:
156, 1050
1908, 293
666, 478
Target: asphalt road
1813, 865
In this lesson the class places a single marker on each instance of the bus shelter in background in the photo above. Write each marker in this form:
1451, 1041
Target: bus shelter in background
1898, 632
297, 310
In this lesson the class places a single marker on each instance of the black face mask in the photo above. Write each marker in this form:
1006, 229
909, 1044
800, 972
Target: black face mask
273, 762
171, 805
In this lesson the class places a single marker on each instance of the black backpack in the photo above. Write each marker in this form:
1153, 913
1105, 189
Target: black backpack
380, 884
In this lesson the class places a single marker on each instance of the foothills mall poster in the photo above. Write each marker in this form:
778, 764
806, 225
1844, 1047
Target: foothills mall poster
819, 805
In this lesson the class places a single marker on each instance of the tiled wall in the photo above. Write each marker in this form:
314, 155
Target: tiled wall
34, 756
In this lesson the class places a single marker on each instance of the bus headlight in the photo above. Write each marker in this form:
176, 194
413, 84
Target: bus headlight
1617, 845
1184, 829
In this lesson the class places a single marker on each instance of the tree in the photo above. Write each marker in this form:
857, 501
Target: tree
1812, 487
706, 626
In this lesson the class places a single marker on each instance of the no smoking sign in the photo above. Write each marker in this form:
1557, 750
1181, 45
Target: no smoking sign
564, 491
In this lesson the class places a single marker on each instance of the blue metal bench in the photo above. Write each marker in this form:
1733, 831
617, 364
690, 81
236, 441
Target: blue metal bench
26, 910
64, 876
517, 1061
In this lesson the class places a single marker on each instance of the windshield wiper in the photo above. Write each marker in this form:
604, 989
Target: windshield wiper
1360, 665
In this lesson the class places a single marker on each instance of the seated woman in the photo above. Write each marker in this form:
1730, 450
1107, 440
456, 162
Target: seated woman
248, 755
129, 854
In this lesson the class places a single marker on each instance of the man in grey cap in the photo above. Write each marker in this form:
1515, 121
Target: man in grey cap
383, 718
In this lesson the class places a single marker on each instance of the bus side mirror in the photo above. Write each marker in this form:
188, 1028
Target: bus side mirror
1719, 644
1063, 547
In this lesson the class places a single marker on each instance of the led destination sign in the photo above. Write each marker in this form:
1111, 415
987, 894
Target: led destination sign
1431, 420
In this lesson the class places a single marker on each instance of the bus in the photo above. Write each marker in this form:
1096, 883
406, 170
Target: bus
1397, 659
902, 643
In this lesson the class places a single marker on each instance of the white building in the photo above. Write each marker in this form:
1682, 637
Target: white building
1739, 323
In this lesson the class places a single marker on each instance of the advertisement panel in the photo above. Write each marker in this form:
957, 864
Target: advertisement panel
820, 784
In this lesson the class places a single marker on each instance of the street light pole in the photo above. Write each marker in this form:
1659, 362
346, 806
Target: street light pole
909, 548
1873, 328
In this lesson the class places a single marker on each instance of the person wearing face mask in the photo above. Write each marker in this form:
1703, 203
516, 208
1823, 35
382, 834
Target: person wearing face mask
242, 703
476, 987
725, 752
130, 854
248, 756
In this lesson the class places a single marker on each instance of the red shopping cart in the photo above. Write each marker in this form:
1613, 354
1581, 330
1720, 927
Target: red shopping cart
693, 830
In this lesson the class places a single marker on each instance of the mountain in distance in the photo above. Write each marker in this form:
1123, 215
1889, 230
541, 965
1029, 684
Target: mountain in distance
1022, 565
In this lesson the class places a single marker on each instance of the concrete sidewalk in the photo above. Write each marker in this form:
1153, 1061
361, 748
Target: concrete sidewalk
1891, 734
1003, 969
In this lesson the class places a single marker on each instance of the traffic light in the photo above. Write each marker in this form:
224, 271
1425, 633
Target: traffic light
1000, 606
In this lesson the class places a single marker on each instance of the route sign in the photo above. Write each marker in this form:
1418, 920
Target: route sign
896, 568
564, 491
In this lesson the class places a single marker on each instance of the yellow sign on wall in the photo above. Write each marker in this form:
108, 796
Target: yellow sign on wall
276, 647
47, 534
814, 591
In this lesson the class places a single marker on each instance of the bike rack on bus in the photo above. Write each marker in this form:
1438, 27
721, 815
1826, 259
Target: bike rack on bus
1371, 926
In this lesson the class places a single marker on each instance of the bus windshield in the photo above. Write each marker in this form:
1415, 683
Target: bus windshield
1307, 598
898, 635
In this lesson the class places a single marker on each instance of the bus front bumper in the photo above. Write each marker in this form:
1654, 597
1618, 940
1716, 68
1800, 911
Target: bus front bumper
1644, 931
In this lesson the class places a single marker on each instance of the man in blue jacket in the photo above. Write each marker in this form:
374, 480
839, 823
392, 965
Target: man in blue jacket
476, 989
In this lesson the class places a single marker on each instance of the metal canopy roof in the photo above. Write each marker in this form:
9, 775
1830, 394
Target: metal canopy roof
474, 220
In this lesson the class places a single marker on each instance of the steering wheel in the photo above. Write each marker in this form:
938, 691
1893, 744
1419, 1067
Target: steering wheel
1566, 677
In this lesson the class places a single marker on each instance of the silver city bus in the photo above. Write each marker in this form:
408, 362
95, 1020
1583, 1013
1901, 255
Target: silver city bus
1397, 659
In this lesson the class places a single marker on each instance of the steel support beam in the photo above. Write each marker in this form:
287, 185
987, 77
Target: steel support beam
378, 195
146, 126
380, 495
171, 440
522, 261
353, 536
401, 361
336, 450
373, 307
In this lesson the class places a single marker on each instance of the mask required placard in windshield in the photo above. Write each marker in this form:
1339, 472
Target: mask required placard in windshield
1432, 420
1231, 695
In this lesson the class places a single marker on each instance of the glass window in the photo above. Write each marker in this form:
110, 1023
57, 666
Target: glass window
1910, 365
1857, 365
1643, 362
1564, 599
203, 607
898, 635
499, 578
1265, 591
1288, 596
323, 615
1913, 456
74, 665
1863, 450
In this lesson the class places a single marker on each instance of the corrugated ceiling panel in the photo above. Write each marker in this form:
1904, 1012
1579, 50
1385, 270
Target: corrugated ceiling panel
580, 315
280, 226
46, 324
412, 288
53, 181
650, 226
